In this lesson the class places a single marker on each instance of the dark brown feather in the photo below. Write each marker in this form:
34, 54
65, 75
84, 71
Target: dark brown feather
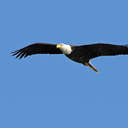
84, 53
37, 48
101, 49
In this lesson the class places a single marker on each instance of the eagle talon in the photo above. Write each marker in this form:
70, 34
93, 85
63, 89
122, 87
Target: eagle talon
92, 67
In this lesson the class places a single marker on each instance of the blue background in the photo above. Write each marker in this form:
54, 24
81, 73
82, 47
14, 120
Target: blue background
51, 91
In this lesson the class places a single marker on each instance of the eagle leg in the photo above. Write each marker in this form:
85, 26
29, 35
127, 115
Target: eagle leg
89, 65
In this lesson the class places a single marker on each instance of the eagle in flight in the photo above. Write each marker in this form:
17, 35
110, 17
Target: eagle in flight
81, 54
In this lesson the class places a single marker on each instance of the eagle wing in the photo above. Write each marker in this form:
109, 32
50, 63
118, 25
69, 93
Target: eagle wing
101, 49
37, 48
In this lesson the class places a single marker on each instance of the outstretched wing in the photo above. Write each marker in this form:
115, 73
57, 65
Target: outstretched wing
101, 49
37, 48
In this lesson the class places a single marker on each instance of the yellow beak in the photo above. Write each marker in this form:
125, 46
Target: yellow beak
58, 46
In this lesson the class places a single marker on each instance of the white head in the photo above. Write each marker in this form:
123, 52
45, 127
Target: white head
66, 49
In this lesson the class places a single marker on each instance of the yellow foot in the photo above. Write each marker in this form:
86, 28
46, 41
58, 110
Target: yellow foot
89, 65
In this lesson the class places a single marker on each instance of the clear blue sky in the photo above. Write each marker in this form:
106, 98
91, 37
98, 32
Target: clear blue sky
51, 91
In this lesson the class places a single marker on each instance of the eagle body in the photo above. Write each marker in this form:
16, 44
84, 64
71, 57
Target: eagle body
81, 54
77, 56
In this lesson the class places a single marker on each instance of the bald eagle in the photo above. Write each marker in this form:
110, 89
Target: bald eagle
81, 54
